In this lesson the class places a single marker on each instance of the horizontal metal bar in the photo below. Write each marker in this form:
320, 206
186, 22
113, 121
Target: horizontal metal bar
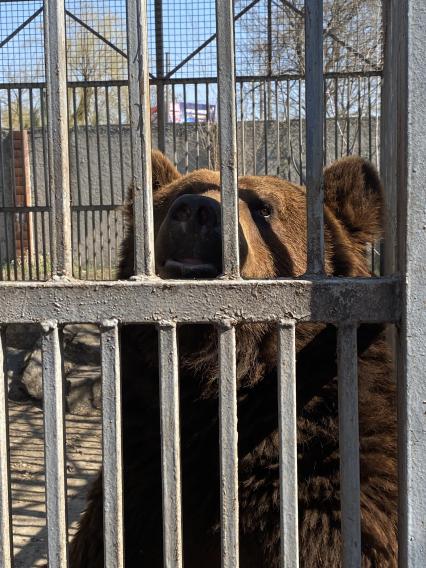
349, 444
111, 446
170, 446
228, 445
6, 547
26, 209
288, 444
99, 207
198, 80
327, 300
54, 440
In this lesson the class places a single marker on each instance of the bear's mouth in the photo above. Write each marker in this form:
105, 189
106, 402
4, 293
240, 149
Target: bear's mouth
189, 267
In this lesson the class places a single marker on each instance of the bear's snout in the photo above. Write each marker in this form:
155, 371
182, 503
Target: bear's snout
189, 241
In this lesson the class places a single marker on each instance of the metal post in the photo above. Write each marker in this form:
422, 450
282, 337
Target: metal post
159, 51
6, 547
112, 447
288, 444
228, 445
347, 366
410, 47
140, 126
57, 126
170, 446
227, 136
314, 88
54, 440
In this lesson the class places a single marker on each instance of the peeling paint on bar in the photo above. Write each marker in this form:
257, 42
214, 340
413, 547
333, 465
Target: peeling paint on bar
325, 300
170, 446
140, 124
6, 546
112, 445
347, 365
228, 445
57, 127
54, 442
314, 133
227, 136
288, 444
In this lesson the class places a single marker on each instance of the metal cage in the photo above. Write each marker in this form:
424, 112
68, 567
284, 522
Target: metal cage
397, 297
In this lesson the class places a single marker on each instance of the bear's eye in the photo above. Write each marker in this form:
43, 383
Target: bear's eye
264, 210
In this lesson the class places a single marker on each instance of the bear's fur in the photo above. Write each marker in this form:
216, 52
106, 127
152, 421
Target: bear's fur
276, 246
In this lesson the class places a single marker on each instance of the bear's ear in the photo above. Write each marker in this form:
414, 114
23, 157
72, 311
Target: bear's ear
354, 193
163, 171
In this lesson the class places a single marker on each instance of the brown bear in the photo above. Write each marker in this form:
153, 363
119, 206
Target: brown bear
272, 244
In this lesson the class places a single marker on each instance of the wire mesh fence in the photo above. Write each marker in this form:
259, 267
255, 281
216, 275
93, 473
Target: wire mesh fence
270, 101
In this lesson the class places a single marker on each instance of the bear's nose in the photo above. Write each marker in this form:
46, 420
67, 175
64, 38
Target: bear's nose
199, 210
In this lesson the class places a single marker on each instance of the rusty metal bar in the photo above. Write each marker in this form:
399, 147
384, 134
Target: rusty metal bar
140, 125
314, 133
347, 365
112, 446
288, 444
227, 136
57, 127
54, 440
324, 300
228, 445
170, 446
6, 542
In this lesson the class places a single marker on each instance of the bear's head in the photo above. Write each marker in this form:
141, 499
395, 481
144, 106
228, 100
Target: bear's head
272, 222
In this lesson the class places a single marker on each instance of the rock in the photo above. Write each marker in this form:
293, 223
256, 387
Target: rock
81, 347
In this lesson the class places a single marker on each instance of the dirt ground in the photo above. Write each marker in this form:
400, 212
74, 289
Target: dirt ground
83, 446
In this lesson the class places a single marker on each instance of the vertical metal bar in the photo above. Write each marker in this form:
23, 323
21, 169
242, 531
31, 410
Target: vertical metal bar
227, 136
101, 185
174, 125
6, 546
289, 145
277, 118
78, 177
159, 57
370, 141
228, 445
336, 118
197, 136
185, 127
325, 122
301, 180
347, 364
288, 444
54, 439
170, 446
35, 185
140, 123
242, 130
12, 152
266, 106
59, 184
208, 127
410, 86
314, 133
253, 131
47, 197
111, 446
